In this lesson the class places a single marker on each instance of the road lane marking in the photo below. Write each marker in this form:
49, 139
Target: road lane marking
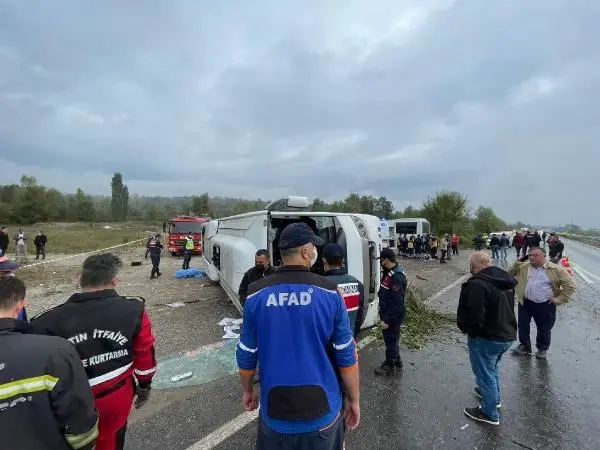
448, 288
588, 273
233, 426
582, 274
230, 428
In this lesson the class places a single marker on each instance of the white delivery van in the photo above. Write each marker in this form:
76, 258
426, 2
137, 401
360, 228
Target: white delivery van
230, 245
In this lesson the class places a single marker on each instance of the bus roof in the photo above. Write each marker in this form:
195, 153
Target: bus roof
189, 219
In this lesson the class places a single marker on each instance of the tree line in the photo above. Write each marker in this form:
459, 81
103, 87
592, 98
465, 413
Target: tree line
30, 202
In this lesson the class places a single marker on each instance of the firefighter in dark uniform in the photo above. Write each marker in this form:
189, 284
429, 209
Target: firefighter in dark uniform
392, 292
154, 248
188, 250
45, 399
113, 336
352, 290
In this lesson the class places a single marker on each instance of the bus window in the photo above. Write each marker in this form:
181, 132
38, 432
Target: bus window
407, 228
425, 227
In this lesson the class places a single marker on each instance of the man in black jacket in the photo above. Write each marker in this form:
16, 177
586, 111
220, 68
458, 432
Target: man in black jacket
40, 242
46, 402
486, 313
555, 249
392, 292
262, 268
4, 240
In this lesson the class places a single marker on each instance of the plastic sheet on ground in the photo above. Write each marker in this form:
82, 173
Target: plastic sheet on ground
206, 364
190, 273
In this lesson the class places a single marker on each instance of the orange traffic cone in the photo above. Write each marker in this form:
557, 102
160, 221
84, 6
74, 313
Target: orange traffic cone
565, 263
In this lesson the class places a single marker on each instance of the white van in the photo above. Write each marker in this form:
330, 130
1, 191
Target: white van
230, 245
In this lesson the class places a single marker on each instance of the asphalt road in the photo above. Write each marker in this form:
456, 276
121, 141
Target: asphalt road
585, 261
549, 404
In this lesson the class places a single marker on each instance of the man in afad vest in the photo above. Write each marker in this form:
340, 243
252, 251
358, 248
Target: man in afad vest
350, 288
188, 249
113, 337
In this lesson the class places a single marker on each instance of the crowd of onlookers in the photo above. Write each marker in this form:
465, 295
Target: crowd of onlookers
428, 246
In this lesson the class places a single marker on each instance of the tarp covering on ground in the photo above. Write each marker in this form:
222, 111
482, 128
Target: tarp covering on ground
190, 273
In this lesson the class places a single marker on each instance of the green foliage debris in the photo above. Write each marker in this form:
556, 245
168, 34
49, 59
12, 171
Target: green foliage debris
421, 322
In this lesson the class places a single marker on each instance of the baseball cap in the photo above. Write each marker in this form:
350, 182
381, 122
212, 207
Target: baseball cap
387, 253
333, 252
296, 235
8, 266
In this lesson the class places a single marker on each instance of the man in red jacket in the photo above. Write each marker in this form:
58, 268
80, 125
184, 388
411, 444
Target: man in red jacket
113, 337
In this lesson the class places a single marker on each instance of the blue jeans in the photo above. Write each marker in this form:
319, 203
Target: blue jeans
504, 251
495, 252
485, 356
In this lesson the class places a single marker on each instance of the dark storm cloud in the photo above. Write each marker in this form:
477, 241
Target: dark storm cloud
495, 99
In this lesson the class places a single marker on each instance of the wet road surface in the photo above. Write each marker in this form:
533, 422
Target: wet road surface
585, 260
549, 404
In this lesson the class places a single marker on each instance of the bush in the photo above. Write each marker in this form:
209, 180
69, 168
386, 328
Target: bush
420, 322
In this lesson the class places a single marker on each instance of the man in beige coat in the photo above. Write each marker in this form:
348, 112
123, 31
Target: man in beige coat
542, 286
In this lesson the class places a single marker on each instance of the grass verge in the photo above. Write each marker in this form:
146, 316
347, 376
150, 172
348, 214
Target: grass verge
420, 322
81, 237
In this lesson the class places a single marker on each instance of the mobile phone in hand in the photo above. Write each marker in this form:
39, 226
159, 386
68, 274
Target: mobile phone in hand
524, 258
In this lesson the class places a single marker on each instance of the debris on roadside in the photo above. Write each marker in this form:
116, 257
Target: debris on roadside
229, 325
176, 304
182, 376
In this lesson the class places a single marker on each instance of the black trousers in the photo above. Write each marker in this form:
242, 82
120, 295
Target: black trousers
155, 265
391, 338
121, 438
187, 257
40, 250
544, 316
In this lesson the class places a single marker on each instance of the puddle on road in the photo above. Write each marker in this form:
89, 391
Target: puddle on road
206, 364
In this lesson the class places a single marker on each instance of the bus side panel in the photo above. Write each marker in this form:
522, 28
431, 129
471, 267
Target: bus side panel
238, 239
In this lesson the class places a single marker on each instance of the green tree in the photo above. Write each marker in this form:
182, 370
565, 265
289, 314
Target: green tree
117, 193
384, 208
319, 205
56, 204
83, 206
32, 206
352, 203
201, 204
124, 207
486, 221
446, 210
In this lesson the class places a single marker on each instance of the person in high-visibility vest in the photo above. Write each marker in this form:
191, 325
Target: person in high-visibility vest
188, 249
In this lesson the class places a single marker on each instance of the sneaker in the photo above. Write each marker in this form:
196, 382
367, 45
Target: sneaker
521, 350
478, 415
541, 354
398, 364
385, 369
478, 394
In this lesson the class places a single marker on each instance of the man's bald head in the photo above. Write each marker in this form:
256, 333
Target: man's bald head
479, 261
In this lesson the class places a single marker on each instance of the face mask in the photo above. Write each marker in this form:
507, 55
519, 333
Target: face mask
314, 258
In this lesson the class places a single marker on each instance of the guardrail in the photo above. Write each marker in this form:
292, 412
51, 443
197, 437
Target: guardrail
589, 240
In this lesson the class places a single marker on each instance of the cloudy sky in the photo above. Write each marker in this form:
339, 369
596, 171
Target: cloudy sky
499, 99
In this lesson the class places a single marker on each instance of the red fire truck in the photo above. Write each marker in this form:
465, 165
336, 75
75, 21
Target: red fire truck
180, 227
